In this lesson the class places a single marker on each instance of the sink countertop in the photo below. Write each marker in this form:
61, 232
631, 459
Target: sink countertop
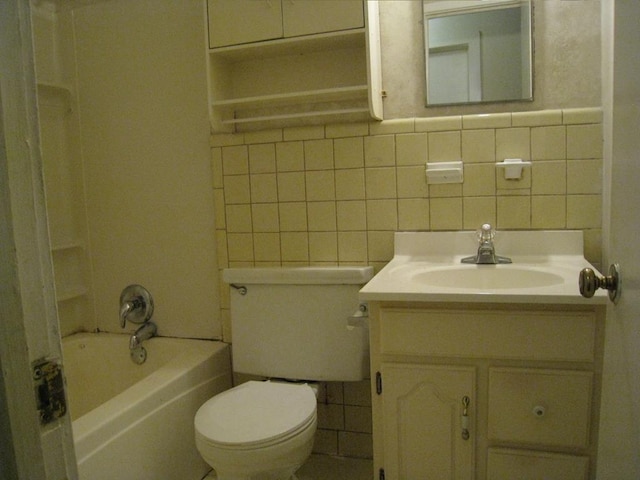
424, 264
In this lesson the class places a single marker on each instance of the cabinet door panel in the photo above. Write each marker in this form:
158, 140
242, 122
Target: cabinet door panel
505, 464
422, 410
233, 22
302, 17
544, 407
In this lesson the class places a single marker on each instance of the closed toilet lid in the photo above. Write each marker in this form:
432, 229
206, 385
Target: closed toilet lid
256, 412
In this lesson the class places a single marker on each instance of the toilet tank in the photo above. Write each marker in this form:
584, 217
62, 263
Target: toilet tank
295, 322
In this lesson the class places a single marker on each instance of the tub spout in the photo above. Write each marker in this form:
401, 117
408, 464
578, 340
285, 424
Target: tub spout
146, 331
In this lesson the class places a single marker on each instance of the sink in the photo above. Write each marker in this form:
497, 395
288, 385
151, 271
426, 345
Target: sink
484, 277
426, 267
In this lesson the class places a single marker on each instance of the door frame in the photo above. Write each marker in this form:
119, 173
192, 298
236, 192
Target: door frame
28, 319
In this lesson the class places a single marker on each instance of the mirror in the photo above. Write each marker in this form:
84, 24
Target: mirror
477, 51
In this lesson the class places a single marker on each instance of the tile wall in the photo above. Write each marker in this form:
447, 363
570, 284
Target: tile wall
335, 194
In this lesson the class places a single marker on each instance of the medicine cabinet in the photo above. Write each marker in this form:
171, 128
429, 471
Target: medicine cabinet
277, 63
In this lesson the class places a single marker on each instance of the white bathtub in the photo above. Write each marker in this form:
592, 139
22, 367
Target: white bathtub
135, 422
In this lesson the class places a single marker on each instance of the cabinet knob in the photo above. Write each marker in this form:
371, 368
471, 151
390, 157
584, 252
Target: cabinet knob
539, 411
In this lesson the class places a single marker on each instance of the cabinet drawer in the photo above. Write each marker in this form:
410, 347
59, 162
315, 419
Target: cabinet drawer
505, 464
543, 407
509, 334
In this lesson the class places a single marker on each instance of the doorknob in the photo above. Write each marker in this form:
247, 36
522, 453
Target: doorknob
590, 282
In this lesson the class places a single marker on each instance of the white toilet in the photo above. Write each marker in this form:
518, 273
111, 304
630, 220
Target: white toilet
293, 325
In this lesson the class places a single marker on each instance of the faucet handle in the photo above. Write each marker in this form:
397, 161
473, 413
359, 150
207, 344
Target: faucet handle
136, 305
486, 233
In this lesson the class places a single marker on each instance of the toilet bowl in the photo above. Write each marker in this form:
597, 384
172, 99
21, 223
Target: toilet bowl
257, 430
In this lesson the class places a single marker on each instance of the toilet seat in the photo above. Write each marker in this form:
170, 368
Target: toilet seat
256, 414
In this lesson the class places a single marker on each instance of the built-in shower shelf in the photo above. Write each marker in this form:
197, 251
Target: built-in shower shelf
54, 88
71, 293
67, 246
55, 95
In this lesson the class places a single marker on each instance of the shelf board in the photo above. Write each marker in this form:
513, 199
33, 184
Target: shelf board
291, 45
309, 96
291, 116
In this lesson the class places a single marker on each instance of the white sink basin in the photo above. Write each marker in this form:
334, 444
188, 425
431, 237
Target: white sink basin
426, 267
480, 277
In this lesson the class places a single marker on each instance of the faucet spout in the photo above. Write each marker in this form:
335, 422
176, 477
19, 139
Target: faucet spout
145, 332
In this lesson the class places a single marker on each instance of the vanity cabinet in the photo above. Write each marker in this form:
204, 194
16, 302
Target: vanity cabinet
485, 391
274, 63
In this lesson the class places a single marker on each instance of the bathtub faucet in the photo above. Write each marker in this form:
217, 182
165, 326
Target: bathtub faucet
146, 331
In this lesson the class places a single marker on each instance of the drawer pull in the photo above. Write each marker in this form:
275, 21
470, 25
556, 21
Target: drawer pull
465, 417
539, 411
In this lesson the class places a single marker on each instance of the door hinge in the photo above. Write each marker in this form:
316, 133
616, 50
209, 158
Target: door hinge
378, 383
381, 474
48, 382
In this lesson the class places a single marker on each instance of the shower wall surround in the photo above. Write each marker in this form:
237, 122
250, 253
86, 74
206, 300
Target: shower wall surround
335, 194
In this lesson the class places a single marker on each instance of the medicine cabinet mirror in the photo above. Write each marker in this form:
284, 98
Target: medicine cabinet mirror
477, 51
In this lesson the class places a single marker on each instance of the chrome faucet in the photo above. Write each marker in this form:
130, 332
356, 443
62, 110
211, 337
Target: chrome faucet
486, 251
145, 332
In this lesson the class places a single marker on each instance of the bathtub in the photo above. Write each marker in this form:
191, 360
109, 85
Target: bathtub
135, 422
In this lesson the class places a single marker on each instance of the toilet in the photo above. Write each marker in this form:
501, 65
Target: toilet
291, 327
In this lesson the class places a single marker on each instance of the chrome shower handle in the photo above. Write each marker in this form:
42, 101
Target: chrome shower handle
136, 305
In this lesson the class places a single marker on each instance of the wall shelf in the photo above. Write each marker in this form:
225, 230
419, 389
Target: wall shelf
300, 115
291, 46
292, 98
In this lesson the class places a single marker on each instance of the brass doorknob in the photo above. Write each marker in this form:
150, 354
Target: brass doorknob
590, 281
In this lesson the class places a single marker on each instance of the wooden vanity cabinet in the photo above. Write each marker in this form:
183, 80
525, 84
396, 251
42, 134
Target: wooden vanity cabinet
276, 63
483, 391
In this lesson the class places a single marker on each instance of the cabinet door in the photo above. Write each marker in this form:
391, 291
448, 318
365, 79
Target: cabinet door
302, 17
233, 22
423, 422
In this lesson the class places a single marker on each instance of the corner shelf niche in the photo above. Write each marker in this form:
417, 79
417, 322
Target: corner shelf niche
331, 76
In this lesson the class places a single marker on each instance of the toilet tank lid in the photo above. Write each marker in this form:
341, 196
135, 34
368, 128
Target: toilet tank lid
299, 275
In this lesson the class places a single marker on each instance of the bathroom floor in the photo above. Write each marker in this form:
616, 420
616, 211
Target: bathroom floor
325, 467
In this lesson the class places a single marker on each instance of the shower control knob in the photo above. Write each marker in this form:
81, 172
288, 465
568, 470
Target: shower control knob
590, 282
